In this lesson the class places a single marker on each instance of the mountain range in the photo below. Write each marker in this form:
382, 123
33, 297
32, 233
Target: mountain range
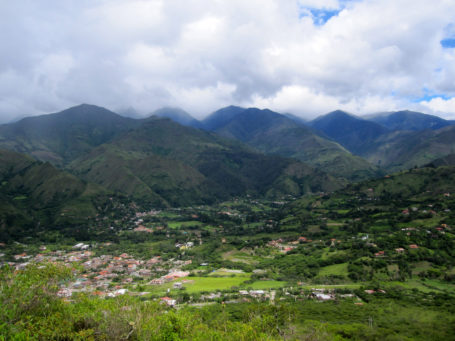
392, 141
344, 145
157, 160
172, 159
272, 133
176, 165
352, 132
409, 120
178, 115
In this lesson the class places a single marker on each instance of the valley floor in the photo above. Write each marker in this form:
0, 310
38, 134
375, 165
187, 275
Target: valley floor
339, 266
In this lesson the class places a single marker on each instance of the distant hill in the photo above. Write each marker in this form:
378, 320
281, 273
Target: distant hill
169, 164
64, 136
406, 149
179, 116
448, 160
220, 117
35, 195
297, 119
410, 120
156, 159
351, 132
396, 141
273, 133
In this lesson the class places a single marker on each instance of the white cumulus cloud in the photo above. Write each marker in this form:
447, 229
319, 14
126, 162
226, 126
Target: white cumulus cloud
301, 56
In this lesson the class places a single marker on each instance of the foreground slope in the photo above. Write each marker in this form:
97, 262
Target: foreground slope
273, 133
169, 164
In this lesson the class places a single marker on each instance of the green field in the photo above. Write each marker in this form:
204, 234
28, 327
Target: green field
20, 197
420, 267
229, 273
180, 224
200, 284
169, 215
263, 285
211, 284
336, 269
350, 286
240, 256
429, 285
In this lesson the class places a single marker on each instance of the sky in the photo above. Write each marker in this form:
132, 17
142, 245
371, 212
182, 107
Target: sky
305, 57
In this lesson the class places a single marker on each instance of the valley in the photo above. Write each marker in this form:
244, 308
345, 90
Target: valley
227, 170
380, 243
148, 229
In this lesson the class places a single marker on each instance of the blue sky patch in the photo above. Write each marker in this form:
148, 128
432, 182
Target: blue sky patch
428, 96
321, 16
448, 43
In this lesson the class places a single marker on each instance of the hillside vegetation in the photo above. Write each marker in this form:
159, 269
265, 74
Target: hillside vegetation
273, 133
169, 164
35, 196
61, 137
374, 261
404, 150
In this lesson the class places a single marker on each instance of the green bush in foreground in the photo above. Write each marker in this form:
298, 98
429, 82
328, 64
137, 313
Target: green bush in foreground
31, 310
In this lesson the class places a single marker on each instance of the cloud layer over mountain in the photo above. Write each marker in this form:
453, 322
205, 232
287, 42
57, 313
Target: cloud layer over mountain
306, 57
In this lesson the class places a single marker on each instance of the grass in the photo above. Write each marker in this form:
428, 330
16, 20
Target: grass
179, 224
314, 229
336, 269
439, 285
253, 225
213, 283
333, 286
426, 286
227, 273
200, 284
210, 227
429, 222
271, 284
392, 268
239, 256
326, 254
420, 267
169, 215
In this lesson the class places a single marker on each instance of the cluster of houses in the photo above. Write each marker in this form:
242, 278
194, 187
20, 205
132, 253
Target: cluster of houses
430, 209
409, 230
284, 246
268, 295
397, 250
171, 276
184, 246
104, 275
111, 276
